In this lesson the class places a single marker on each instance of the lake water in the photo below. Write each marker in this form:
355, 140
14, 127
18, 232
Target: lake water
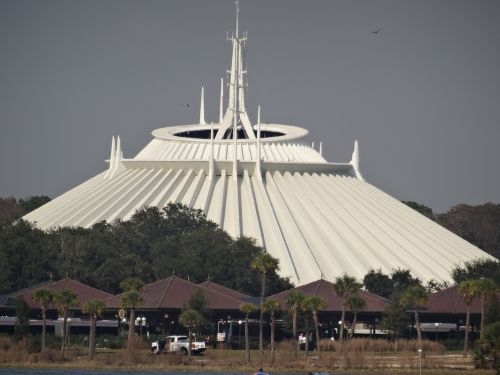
38, 371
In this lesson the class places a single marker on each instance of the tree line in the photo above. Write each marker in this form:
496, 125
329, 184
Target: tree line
12, 209
152, 245
178, 240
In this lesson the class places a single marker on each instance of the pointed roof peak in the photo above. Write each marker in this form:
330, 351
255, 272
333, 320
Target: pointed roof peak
202, 107
237, 3
236, 117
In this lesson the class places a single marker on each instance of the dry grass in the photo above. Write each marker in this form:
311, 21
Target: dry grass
48, 356
5, 344
360, 345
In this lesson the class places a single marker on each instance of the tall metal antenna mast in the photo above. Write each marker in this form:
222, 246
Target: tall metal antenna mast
236, 110
237, 17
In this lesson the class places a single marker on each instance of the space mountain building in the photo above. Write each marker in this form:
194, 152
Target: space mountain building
262, 180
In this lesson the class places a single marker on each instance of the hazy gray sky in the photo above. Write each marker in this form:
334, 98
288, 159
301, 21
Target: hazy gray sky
422, 95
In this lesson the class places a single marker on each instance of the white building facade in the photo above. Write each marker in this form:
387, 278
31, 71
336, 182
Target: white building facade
262, 180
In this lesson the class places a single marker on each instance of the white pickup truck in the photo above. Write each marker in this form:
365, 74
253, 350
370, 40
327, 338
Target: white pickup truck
172, 344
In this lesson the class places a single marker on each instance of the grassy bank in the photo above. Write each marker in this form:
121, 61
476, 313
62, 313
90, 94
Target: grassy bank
368, 356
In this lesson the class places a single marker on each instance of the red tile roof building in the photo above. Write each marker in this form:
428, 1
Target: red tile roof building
84, 292
448, 301
223, 290
174, 293
323, 288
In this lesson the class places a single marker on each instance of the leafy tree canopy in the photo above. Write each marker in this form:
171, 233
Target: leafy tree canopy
12, 209
477, 269
386, 286
32, 203
152, 245
480, 225
378, 283
199, 302
395, 318
424, 210
28, 256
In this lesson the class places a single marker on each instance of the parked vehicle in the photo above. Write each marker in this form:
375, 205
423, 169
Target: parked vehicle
438, 327
366, 329
172, 344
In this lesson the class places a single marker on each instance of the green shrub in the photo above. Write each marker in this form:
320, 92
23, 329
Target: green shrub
110, 341
486, 353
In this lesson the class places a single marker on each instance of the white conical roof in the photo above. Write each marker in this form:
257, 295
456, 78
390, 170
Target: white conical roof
319, 219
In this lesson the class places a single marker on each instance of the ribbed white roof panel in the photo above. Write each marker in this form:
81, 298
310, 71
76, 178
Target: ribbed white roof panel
318, 224
159, 149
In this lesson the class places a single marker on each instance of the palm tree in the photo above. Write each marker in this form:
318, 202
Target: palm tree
64, 300
131, 299
316, 304
293, 302
94, 308
415, 298
271, 305
263, 263
468, 291
247, 309
305, 307
355, 303
190, 319
132, 283
345, 286
44, 297
485, 288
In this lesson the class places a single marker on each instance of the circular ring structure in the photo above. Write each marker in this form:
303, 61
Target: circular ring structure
201, 133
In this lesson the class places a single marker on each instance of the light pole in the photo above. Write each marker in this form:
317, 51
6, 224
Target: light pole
230, 332
124, 322
420, 360
437, 326
239, 333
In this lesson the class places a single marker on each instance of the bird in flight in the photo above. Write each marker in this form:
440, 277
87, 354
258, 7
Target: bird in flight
187, 105
376, 31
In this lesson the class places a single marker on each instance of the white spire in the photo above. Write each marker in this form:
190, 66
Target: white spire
355, 155
111, 157
235, 138
118, 148
211, 166
236, 107
355, 161
221, 105
237, 2
202, 107
258, 115
321, 148
115, 160
258, 161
